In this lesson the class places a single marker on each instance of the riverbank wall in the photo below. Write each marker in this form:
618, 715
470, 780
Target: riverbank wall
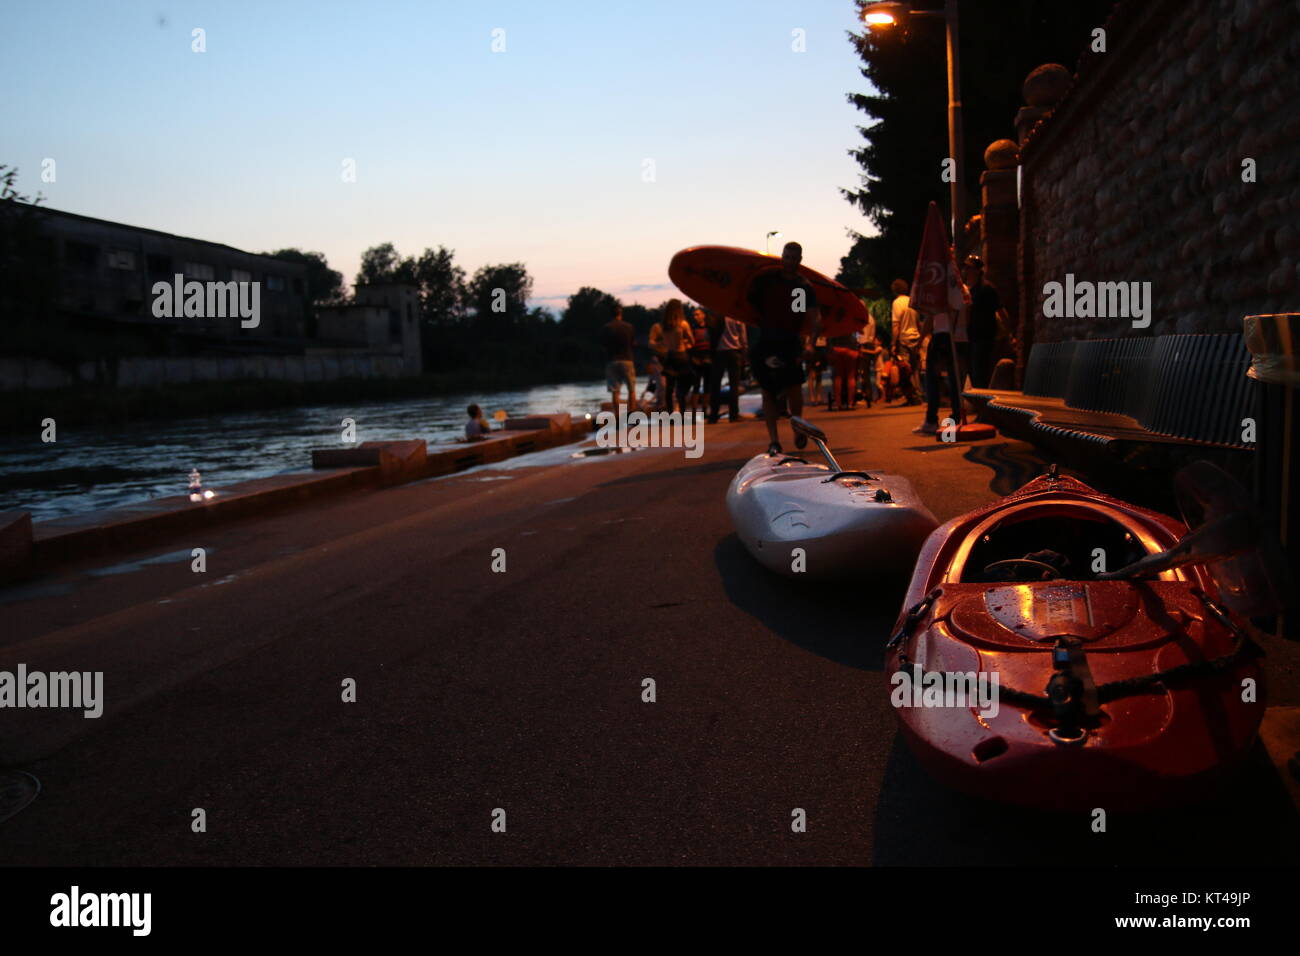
27, 548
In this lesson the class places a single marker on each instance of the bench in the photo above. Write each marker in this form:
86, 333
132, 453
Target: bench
1143, 401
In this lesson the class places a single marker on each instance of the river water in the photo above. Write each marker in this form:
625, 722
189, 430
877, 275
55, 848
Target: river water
102, 467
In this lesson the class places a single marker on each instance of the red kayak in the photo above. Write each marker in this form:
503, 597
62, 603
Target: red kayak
1023, 671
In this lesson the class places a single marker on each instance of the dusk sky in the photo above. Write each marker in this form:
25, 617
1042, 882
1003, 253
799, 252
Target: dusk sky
535, 154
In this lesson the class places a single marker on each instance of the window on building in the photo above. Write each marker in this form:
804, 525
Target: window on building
275, 283
159, 265
121, 259
81, 255
200, 271
241, 275
297, 287
394, 324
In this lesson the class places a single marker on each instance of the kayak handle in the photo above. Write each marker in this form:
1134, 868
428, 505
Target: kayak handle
806, 429
848, 474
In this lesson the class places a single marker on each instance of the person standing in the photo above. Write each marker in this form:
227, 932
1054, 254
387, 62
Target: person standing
877, 304
843, 356
816, 362
789, 319
673, 338
656, 339
907, 339
732, 345
939, 360
701, 358
869, 364
986, 316
652, 397
617, 337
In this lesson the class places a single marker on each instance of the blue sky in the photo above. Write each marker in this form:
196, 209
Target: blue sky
535, 154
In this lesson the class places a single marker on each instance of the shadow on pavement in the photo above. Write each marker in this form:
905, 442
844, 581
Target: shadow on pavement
847, 622
1013, 464
930, 447
677, 470
921, 823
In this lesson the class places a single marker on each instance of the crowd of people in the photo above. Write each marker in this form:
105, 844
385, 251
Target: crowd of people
899, 357
688, 361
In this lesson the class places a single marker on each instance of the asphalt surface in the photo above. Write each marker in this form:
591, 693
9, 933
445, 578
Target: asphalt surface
522, 690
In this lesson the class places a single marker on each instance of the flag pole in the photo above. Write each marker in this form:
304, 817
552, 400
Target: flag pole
958, 380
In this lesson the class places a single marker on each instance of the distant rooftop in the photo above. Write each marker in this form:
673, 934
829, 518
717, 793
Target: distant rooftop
155, 232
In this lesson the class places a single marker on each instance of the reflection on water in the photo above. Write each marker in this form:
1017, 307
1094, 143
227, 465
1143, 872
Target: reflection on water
99, 467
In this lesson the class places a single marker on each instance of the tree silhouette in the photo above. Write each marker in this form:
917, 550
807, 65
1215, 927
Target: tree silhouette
907, 138
324, 285
587, 311
498, 296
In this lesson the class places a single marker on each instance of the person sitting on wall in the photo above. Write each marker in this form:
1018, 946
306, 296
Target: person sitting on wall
477, 428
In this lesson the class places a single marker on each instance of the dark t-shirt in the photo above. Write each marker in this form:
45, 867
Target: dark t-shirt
617, 337
772, 296
983, 324
701, 341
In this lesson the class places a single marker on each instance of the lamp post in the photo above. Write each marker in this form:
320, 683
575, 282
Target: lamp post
774, 234
884, 16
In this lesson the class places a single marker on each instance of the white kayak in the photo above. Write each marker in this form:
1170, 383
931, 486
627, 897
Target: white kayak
845, 522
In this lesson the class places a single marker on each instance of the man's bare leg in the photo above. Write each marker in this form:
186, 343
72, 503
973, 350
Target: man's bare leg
770, 413
794, 395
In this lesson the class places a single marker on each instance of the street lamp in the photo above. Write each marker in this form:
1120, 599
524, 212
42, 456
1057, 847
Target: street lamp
774, 234
885, 16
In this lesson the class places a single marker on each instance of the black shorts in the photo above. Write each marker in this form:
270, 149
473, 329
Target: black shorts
677, 364
777, 365
701, 371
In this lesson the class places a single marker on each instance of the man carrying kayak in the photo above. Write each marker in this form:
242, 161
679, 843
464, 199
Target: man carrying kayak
788, 319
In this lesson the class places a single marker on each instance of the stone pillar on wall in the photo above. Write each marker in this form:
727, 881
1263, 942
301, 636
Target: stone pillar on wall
1043, 89
999, 222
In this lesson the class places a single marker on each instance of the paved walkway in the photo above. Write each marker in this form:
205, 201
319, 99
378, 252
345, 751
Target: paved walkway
522, 690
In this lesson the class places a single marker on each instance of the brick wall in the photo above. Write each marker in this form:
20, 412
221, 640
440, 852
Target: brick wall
1136, 175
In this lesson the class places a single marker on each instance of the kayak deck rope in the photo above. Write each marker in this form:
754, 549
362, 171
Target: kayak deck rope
1064, 692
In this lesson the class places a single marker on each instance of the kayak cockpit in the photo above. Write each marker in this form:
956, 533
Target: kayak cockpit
1054, 539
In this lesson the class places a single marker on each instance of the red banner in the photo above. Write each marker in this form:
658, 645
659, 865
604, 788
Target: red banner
937, 285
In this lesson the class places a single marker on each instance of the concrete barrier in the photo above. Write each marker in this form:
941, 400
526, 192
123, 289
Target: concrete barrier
557, 422
73, 537
335, 470
397, 461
